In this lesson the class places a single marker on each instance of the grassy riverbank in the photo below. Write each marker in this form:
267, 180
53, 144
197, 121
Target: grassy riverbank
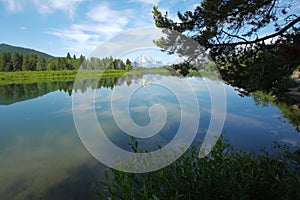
42, 76
21, 77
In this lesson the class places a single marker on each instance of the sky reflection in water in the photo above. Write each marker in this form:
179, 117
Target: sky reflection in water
42, 156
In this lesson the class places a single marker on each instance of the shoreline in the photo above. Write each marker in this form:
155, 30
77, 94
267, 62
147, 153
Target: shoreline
293, 94
21, 77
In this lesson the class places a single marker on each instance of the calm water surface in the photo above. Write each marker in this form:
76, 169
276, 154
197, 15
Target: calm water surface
42, 156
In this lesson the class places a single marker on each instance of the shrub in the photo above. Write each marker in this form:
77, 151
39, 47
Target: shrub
227, 173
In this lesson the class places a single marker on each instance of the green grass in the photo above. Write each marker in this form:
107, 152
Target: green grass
42, 76
227, 173
167, 70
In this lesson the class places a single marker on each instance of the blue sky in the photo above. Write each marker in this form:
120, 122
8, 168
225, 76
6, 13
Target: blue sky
79, 26
76, 26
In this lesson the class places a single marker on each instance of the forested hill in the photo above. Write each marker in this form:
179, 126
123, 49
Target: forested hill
21, 50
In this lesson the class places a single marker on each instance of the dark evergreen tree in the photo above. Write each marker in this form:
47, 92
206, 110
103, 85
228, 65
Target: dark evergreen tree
231, 32
6, 62
128, 65
25, 63
68, 56
32, 62
52, 64
40, 64
17, 60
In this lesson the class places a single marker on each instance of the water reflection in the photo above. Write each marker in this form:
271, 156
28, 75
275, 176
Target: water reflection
13, 93
42, 156
288, 113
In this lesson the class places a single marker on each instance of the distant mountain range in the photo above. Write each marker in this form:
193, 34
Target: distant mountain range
21, 50
147, 61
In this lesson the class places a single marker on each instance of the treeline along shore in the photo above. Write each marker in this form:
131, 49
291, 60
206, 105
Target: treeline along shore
13, 62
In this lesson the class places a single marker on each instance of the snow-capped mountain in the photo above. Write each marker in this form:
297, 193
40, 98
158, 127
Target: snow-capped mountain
147, 61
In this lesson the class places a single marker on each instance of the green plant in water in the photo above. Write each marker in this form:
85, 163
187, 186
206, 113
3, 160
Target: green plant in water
227, 173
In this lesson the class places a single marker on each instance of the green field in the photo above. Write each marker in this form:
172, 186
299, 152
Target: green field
42, 76
21, 77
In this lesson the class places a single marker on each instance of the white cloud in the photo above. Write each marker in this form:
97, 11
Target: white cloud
153, 2
76, 40
102, 22
12, 5
44, 6
49, 6
104, 14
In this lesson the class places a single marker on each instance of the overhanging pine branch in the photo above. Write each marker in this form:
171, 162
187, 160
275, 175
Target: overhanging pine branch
291, 24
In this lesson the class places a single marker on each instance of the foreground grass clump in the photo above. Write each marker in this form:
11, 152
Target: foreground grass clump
226, 174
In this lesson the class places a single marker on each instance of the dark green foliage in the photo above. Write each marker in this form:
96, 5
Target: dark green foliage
222, 26
226, 173
68, 57
268, 71
230, 31
107, 63
13, 93
52, 64
17, 60
56, 80
32, 63
25, 63
37, 62
22, 51
118, 64
183, 68
41, 64
128, 65
6, 62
